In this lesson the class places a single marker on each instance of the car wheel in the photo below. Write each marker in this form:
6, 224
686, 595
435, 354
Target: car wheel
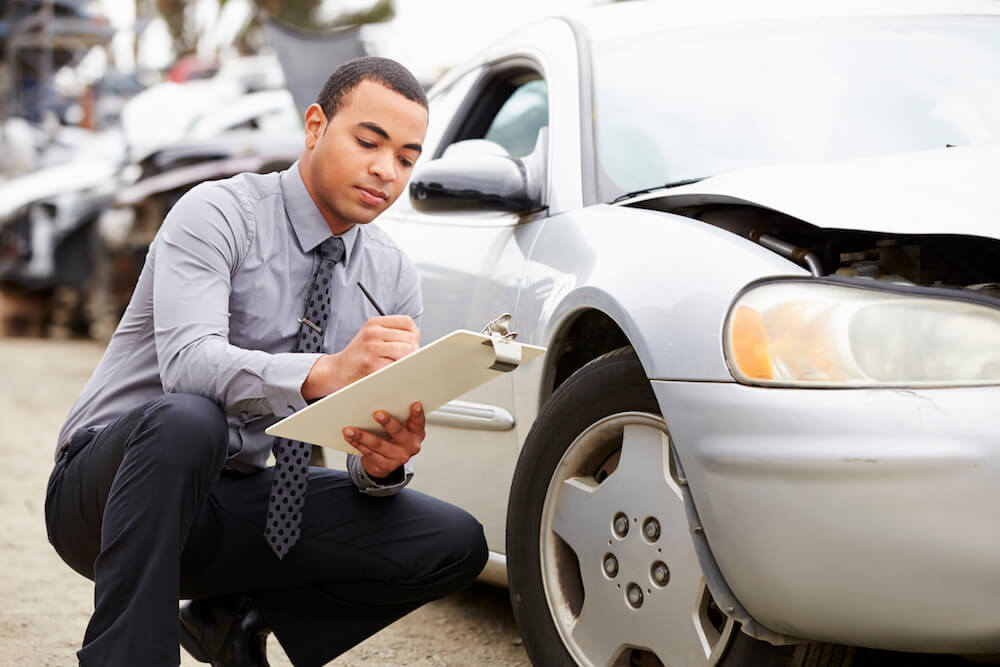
601, 565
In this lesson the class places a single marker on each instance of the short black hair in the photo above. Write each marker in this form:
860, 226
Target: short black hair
385, 71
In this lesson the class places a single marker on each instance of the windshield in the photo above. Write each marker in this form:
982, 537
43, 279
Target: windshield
691, 103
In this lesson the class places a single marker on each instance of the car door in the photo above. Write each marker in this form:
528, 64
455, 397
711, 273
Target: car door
472, 266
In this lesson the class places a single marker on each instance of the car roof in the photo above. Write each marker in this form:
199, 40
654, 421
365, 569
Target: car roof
634, 18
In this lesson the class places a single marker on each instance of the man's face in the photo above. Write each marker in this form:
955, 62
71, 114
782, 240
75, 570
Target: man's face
359, 161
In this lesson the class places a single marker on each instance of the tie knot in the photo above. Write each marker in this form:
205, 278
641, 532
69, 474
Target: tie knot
332, 249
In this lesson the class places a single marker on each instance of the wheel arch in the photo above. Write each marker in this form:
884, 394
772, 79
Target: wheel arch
579, 335
585, 323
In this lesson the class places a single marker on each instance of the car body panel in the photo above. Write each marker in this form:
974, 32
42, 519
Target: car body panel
490, 268
672, 295
944, 191
485, 261
854, 516
486, 255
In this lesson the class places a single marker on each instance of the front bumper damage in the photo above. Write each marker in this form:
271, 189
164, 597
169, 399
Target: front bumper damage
862, 516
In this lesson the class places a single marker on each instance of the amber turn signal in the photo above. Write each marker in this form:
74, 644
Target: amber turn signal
749, 345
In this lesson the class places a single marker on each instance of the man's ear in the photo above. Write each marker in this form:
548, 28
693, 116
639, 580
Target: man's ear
315, 122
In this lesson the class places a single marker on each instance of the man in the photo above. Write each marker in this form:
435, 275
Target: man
247, 308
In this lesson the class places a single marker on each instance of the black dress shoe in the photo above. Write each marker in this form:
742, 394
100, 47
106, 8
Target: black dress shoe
226, 632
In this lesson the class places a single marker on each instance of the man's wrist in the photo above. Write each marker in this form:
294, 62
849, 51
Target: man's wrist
394, 477
283, 378
321, 378
386, 487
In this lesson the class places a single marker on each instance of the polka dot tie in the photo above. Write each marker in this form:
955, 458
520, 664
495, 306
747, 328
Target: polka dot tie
291, 469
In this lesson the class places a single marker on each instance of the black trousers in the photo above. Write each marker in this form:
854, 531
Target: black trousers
145, 508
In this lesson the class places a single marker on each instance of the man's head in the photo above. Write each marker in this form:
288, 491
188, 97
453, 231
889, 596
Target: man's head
363, 135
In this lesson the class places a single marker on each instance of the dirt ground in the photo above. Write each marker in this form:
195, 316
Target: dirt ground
45, 605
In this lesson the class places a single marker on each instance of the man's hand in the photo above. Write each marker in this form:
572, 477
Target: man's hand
381, 341
380, 456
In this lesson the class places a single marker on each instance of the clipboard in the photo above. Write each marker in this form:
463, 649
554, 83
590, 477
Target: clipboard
434, 375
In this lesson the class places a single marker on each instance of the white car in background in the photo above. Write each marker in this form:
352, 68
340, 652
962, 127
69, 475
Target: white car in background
761, 246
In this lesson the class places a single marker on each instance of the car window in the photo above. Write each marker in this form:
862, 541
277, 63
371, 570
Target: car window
443, 106
735, 99
517, 123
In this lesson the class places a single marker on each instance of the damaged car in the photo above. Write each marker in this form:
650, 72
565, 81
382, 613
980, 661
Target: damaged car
762, 248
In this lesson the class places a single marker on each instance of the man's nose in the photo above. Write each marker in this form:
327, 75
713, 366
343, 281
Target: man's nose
382, 168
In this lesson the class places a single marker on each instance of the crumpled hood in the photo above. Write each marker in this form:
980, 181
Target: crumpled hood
941, 191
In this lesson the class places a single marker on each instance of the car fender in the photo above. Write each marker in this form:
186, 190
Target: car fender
668, 282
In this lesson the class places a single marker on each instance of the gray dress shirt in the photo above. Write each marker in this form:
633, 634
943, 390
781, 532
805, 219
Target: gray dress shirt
215, 311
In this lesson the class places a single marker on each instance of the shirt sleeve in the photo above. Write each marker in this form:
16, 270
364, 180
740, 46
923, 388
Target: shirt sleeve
410, 299
200, 245
389, 486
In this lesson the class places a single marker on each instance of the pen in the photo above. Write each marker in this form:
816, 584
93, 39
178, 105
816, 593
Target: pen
371, 299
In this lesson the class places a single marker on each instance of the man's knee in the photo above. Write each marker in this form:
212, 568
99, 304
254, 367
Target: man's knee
461, 545
469, 533
186, 429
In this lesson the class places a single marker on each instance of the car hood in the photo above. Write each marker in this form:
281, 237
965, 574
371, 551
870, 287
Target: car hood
52, 181
942, 191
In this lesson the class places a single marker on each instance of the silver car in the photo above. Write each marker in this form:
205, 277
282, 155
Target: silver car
762, 250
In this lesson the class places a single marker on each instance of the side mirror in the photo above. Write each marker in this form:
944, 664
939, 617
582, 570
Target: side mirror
475, 180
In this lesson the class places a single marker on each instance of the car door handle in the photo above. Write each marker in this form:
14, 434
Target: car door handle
468, 415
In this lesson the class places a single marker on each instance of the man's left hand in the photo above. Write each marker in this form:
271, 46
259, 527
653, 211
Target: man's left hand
380, 456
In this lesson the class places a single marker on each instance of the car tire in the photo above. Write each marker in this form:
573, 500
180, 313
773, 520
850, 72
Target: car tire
575, 605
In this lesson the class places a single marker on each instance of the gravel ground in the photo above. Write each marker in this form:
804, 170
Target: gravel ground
46, 605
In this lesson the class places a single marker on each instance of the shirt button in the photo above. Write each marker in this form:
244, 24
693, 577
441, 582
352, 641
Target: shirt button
291, 409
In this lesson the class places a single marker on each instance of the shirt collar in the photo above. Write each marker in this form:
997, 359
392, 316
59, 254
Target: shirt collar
307, 222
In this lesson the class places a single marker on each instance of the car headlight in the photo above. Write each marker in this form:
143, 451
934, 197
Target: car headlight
820, 334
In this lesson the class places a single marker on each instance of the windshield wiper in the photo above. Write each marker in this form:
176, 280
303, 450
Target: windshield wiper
672, 184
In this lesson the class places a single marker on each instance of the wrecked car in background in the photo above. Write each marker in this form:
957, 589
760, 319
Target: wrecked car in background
67, 239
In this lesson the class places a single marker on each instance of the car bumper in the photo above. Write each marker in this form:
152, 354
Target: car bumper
868, 517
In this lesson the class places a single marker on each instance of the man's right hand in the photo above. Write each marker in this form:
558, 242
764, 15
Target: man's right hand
381, 341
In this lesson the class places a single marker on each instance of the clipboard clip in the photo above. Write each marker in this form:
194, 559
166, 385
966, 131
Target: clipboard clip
508, 353
500, 328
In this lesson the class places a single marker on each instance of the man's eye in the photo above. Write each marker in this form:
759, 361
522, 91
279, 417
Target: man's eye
366, 144
406, 163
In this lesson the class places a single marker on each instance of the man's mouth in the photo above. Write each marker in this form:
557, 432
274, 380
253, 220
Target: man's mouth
372, 196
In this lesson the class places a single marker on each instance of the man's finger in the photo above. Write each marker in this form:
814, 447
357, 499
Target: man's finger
377, 465
403, 322
390, 335
400, 434
390, 424
374, 443
417, 420
391, 351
